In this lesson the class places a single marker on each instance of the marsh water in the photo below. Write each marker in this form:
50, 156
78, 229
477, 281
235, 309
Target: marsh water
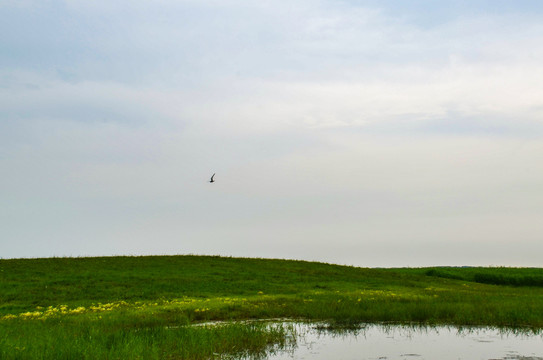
381, 342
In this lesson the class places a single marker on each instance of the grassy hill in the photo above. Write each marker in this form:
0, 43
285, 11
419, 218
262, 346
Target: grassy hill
105, 307
27, 283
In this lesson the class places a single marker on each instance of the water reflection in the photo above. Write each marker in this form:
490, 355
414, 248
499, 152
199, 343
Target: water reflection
314, 341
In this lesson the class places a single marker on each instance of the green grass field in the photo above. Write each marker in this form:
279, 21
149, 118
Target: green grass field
141, 307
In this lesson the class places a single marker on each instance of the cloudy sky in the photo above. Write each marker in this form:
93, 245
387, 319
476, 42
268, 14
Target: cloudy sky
369, 133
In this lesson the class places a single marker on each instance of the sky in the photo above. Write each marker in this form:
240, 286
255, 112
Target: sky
366, 133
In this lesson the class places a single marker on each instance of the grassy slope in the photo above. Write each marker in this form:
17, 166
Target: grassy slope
26, 284
80, 281
153, 293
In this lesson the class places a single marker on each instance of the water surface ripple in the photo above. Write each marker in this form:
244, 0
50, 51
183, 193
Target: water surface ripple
379, 342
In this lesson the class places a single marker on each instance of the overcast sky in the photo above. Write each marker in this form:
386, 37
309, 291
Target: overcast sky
369, 133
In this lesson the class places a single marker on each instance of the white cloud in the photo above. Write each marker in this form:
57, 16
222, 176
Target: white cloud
332, 128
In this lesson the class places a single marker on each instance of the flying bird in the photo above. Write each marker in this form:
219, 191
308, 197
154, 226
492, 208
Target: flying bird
212, 176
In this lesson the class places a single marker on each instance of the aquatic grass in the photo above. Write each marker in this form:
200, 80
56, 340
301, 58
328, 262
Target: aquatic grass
103, 340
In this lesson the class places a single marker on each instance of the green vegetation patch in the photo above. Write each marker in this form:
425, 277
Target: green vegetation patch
145, 307
495, 275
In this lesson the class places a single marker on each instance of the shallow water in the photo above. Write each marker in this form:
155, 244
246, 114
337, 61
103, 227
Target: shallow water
411, 343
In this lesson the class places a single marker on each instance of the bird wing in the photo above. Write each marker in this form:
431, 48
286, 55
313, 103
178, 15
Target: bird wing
212, 176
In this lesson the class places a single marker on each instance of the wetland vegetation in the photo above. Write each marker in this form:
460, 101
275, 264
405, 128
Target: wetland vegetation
142, 307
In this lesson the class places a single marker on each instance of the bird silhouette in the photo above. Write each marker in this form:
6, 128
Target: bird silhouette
212, 176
